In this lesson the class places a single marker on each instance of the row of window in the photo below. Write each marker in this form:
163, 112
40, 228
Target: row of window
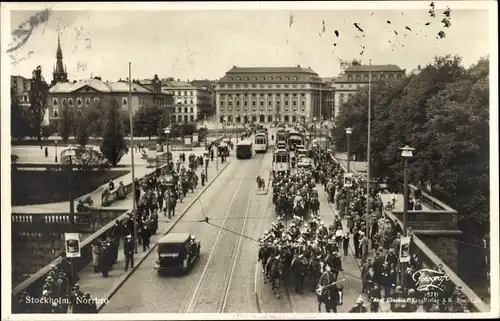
261, 118
264, 78
237, 95
374, 77
179, 110
230, 110
269, 103
182, 93
79, 101
264, 86
185, 102
181, 118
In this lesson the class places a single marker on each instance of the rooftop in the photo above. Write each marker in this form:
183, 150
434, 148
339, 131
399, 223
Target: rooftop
176, 84
373, 68
99, 85
297, 69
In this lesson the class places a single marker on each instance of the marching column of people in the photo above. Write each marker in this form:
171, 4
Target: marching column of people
378, 247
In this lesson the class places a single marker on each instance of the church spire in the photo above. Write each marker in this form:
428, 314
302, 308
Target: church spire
59, 74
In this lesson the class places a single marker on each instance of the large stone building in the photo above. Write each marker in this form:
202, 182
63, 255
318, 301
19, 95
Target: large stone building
191, 103
356, 76
267, 95
20, 90
81, 93
209, 86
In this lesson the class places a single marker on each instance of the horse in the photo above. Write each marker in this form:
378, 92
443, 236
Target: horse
299, 210
315, 269
276, 275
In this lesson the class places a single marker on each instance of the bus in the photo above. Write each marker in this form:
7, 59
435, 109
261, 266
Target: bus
281, 161
244, 149
294, 138
281, 136
260, 143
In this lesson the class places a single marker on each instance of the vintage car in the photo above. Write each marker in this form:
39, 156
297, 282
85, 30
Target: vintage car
177, 252
305, 162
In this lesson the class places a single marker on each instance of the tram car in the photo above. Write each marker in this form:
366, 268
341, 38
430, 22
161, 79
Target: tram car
294, 139
281, 160
281, 136
260, 142
244, 149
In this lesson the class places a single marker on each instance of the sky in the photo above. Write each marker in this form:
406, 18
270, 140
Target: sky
189, 42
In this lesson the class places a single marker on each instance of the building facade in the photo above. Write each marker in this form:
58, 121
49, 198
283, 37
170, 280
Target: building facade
20, 90
80, 94
269, 95
208, 106
356, 76
191, 103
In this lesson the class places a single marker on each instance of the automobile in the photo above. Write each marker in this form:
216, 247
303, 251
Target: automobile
305, 162
177, 252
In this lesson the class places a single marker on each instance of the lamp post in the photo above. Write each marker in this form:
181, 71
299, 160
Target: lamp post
70, 153
55, 145
166, 130
406, 153
348, 132
206, 132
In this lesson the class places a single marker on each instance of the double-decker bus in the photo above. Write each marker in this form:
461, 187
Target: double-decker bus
244, 149
281, 136
281, 160
260, 142
294, 139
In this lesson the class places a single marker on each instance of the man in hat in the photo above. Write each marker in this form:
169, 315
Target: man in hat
327, 291
359, 307
299, 269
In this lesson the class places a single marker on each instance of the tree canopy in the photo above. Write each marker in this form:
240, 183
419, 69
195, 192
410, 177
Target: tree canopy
443, 112
147, 120
113, 145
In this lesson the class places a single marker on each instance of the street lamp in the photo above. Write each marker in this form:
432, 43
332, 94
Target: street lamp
55, 145
71, 153
348, 132
166, 130
206, 131
406, 153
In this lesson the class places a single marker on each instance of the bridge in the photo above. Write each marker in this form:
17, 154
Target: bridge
435, 220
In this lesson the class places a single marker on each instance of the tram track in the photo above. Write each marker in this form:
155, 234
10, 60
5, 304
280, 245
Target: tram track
204, 282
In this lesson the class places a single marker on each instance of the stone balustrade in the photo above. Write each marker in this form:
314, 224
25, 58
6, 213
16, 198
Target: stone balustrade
34, 284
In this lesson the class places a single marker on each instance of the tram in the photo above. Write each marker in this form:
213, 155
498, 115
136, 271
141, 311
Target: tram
281, 160
261, 142
244, 149
294, 139
281, 136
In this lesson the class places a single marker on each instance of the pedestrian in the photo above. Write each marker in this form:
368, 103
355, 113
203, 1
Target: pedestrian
128, 251
105, 259
345, 243
96, 252
46, 152
202, 175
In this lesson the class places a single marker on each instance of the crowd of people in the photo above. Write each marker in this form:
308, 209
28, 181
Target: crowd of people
312, 250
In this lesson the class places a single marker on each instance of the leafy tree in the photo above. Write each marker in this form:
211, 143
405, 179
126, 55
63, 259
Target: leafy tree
48, 131
163, 123
124, 116
82, 136
113, 145
96, 116
189, 128
38, 100
66, 123
147, 120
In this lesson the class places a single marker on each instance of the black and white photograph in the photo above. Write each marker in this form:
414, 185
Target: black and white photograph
244, 160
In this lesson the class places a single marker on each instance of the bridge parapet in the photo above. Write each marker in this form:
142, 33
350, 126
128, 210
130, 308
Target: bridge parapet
34, 284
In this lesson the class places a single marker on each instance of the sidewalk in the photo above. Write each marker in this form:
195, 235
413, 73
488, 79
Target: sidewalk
63, 207
307, 302
102, 288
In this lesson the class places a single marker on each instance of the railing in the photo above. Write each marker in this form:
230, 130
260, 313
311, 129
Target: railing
33, 285
429, 259
62, 222
430, 220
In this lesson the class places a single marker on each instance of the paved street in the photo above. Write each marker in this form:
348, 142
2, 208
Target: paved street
100, 287
222, 280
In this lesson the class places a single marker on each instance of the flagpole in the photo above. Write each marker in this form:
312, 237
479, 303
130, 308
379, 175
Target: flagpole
368, 150
134, 205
